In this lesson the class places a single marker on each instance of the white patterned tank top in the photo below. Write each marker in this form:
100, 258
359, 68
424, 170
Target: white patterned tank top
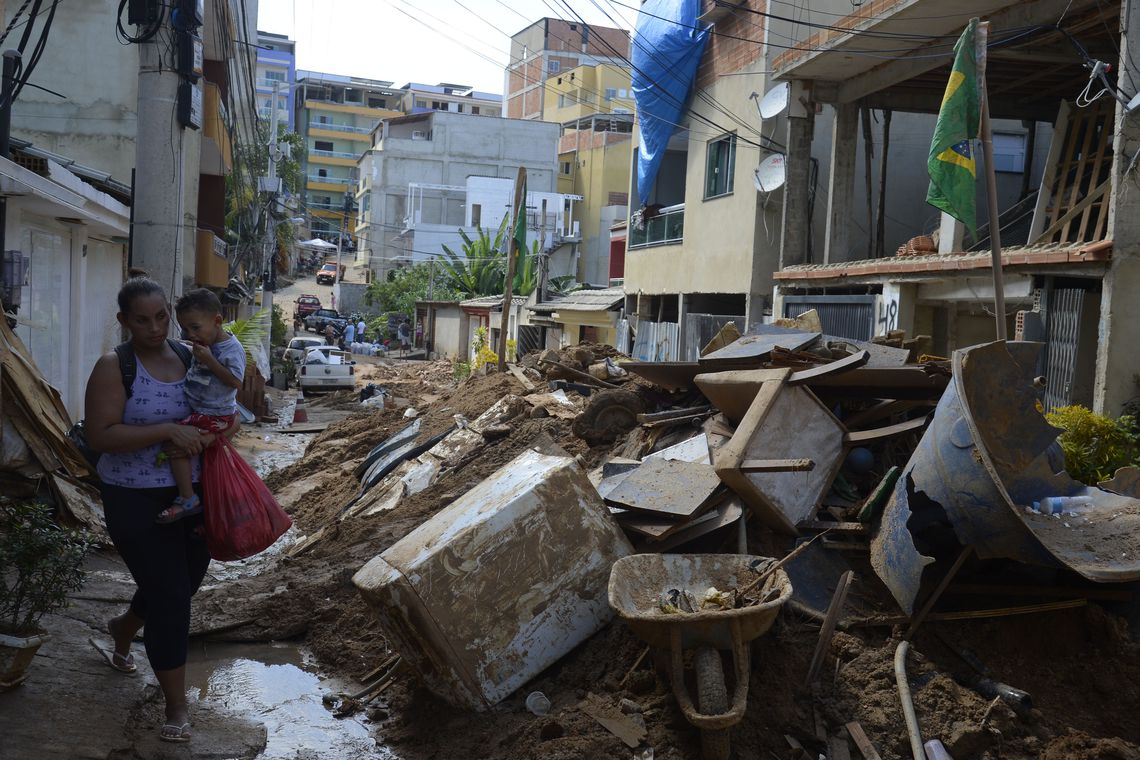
152, 402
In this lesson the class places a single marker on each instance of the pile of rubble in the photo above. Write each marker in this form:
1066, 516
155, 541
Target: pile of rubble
465, 547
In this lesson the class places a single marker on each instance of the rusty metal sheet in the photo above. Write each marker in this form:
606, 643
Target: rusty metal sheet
500, 584
986, 457
667, 487
754, 348
669, 375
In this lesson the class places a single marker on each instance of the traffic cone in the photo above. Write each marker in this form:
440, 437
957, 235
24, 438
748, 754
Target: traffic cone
300, 415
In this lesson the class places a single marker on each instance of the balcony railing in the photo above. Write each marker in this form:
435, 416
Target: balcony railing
333, 154
340, 128
662, 229
332, 180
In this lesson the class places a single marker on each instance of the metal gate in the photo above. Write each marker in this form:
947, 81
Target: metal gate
1063, 319
530, 339
842, 316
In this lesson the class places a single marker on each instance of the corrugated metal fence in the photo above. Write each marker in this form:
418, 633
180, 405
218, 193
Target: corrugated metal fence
843, 316
656, 342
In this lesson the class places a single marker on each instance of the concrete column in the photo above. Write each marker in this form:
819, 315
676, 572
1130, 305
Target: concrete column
1117, 360
80, 314
794, 226
682, 317
159, 171
950, 234
841, 182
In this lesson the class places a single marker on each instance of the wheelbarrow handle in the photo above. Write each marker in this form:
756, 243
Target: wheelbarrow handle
740, 660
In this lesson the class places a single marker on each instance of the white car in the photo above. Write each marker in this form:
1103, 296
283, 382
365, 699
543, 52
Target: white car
327, 368
298, 347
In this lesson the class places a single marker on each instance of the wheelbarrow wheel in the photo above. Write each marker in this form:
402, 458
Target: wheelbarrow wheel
712, 699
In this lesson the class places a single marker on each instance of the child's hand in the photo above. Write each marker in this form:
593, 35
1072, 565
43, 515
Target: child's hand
202, 353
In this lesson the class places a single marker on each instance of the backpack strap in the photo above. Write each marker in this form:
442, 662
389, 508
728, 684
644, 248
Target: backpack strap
128, 364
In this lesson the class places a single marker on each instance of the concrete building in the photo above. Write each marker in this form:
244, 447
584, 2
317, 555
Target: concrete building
594, 104
276, 65
550, 46
439, 152
179, 213
455, 98
336, 115
722, 235
1070, 262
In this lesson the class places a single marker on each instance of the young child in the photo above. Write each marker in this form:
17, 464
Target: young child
212, 383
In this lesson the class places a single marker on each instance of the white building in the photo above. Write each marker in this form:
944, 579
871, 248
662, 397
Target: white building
454, 98
444, 150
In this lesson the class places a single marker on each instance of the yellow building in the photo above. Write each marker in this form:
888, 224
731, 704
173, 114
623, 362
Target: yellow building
336, 116
586, 90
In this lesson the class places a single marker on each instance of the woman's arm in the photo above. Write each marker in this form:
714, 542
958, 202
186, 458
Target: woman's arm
106, 432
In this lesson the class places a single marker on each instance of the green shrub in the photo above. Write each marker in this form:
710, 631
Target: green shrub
1095, 446
40, 562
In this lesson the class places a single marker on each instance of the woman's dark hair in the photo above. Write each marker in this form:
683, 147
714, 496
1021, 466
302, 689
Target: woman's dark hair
135, 288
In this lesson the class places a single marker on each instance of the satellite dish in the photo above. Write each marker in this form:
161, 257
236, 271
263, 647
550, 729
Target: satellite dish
775, 101
770, 174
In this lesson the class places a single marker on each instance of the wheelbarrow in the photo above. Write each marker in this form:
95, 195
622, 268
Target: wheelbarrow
636, 586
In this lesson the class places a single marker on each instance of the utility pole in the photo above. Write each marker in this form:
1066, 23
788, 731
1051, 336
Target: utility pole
340, 241
429, 339
160, 232
7, 90
513, 248
273, 186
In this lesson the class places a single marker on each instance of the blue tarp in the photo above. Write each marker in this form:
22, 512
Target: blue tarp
666, 51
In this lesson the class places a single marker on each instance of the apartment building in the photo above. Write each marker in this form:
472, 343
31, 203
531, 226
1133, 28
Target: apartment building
416, 179
276, 67
335, 115
594, 105
549, 47
455, 98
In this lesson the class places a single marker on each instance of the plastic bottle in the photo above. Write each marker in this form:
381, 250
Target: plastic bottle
1055, 505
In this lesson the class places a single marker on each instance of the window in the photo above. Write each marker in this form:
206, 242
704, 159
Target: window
611, 93
275, 76
439, 105
459, 108
476, 214
553, 67
719, 165
377, 103
322, 172
565, 167
561, 101
1009, 152
323, 145
324, 120
421, 104
623, 93
475, 110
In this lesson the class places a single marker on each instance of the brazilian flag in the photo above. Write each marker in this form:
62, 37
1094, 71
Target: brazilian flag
951, 162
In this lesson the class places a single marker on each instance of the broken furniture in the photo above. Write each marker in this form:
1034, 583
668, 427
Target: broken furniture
638, 582
986, 457
500, 584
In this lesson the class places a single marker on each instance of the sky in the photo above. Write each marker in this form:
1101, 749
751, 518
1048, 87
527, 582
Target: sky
428, 41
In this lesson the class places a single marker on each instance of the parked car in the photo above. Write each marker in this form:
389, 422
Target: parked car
298, 347
327, 368
326, 275
317, 321
305, 305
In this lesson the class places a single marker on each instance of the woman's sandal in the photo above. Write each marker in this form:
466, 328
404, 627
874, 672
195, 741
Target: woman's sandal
179, 509
173, 732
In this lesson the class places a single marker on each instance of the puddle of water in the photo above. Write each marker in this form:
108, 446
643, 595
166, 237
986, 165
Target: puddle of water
275, 684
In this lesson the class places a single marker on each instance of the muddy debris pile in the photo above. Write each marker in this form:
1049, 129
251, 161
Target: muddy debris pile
797, 546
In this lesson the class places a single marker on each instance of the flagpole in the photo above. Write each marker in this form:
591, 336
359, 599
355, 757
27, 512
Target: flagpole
991, 192
508, 288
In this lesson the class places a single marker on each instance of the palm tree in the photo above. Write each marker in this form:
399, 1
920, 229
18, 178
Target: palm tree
479, 271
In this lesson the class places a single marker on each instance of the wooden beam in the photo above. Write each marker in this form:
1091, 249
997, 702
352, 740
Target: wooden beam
1073, 212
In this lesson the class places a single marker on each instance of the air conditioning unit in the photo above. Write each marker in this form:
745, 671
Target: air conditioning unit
419, 134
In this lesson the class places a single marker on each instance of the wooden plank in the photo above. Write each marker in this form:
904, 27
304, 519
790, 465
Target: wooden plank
625, 727
837, 749
864, 437
881, 410
859, 736
1026, 609
1072, 213
1066, 164
988, 589
520, 376
857, 359
660, 528
937, 593
1097, 165
828, 628
1044, 191
1079, 176
839, 527
776, 465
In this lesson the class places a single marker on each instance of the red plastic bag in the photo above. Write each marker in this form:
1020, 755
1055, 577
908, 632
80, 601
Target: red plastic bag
242, 517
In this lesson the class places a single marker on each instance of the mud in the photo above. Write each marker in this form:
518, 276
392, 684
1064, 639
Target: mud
1080, 665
